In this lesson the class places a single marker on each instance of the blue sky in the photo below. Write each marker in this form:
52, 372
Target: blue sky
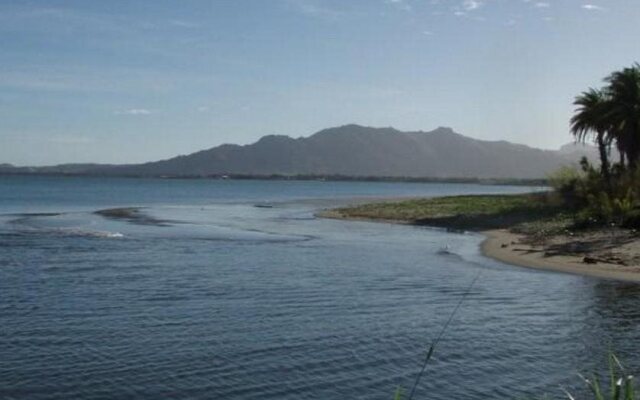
130, 81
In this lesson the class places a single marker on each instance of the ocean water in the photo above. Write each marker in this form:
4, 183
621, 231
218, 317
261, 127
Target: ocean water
234, 290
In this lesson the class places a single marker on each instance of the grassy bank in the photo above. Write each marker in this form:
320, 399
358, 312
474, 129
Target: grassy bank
524, 212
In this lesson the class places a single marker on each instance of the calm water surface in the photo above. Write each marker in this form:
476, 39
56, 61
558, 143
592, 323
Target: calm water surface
202, 295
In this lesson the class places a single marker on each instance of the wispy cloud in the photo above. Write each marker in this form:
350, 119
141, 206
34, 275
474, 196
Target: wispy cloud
312, 8
470, 5
592, 7
135, 111
541, 4
467, 7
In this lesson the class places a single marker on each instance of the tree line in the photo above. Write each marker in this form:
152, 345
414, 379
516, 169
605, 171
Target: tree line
609, 117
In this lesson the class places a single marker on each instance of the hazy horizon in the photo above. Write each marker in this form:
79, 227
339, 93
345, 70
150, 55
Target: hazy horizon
127, 82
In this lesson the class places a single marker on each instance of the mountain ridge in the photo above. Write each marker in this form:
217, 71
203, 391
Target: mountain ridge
351, 150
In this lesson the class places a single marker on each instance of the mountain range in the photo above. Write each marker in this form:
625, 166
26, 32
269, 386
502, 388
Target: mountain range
354, 151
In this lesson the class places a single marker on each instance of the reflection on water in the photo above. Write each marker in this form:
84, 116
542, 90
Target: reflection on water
614, 312
229, 300
617, 300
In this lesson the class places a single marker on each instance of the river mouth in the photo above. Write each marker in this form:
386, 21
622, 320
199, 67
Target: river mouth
246, 302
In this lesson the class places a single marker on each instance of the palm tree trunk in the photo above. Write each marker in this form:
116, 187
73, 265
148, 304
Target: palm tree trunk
604, 161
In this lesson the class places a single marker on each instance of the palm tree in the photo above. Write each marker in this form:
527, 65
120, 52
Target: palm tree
590, 118
623, 111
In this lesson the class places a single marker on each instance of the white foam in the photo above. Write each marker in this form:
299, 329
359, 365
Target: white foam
113, 235
90, 233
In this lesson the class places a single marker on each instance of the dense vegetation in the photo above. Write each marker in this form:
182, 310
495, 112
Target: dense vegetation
609, 117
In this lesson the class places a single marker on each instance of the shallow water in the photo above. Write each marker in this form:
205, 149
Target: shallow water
202, 295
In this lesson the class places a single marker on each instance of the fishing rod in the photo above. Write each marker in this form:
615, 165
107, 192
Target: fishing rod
442, 331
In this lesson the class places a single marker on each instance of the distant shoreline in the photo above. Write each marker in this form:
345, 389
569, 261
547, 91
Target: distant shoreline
579, 253
276, 177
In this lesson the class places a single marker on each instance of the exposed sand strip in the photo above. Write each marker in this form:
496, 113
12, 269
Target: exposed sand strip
509, 248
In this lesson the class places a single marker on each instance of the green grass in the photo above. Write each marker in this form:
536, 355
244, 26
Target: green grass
620, 384
465, 212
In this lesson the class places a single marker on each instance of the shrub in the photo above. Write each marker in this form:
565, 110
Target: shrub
565, 182
597, 200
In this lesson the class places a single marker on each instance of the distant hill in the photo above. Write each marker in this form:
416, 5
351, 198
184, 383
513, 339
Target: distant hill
356, 151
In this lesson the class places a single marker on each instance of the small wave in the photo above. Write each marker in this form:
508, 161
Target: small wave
33, 215
72, 232
450, 253
110, 234
28, 218
445, 250
87, 233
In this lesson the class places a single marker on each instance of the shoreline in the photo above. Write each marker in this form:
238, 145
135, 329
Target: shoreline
557, 255
507, 247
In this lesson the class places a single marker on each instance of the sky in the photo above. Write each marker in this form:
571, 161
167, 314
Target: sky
131, 81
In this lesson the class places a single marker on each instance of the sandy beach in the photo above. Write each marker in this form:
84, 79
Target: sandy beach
610, 262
